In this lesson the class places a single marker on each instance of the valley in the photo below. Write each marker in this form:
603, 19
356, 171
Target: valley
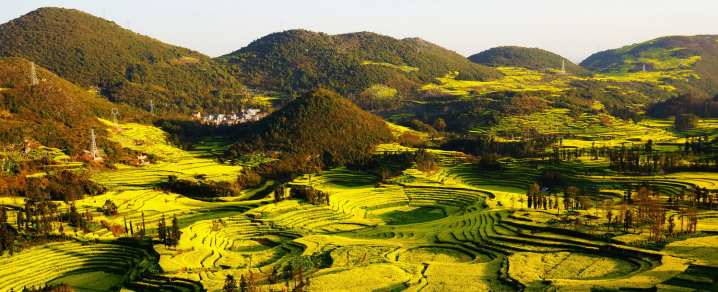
368, 163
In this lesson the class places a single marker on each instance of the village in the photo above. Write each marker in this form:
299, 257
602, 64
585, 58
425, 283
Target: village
244, 116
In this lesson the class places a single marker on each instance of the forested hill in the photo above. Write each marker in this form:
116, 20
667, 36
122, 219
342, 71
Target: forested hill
301, 61
689, 54
321, 127
54, 112
126, 66
532, 58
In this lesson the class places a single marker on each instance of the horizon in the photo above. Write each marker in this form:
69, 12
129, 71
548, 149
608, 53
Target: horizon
221, 28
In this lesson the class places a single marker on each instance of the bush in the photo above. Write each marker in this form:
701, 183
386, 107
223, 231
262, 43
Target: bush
249, 179
425, 161
199, 189
410, 140
685, 122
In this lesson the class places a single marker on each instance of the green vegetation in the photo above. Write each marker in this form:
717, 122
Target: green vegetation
301, 61
492, 179
531, 58
127, 67
53, 113
689, 60
404, 68
320, 129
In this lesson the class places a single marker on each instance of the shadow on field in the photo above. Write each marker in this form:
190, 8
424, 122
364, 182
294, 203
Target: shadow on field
212, 213
417, 215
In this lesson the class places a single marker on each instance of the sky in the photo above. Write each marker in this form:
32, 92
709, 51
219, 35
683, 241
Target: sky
572, 28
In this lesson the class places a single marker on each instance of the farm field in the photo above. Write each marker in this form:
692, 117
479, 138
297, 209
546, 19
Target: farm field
313, 158
404, 233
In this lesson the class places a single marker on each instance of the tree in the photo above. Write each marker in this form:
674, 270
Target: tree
671, 225
243, 284
685, 122
109, 208
570, 196
175, 231
7, 234
440, 124
162, 230
230, 285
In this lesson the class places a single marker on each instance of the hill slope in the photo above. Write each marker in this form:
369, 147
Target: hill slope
55, 112
301, 61
320, 125
532, 58
126, 66
697, 54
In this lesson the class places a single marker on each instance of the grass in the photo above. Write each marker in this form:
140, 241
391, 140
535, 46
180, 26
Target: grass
459, 228
367, 278
403, 68
587, 130
409, 215
435, 254
71, 261
91, 281
664, 71
515, 79
703, 250
530, 268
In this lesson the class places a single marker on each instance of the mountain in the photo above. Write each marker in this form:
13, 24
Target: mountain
302, 61
55, 112
126, 66
679, 54
319, 125
532, 58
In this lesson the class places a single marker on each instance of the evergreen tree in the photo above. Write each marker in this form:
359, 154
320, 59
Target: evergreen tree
230, 285
243, 285
175, 232
162, 230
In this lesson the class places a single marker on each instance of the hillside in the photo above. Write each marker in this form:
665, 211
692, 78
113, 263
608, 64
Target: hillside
689, 54
126, 66
301, 61
531, 58
320, 125
55, 113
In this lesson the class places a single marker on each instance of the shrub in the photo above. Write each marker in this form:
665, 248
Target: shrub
685, 122
199, 189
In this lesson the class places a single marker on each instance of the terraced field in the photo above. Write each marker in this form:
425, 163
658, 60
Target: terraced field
110, 265
457, 228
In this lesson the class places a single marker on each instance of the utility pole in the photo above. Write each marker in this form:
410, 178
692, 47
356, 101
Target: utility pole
563, 66
93, 145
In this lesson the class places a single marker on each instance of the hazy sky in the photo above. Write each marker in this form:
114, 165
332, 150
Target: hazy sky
572, 28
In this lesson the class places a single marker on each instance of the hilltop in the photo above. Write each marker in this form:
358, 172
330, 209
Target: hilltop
687, 54
55, 112
321, 126
531, 58
126, 66
302, 61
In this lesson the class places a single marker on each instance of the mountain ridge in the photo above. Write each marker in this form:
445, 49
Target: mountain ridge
126, 66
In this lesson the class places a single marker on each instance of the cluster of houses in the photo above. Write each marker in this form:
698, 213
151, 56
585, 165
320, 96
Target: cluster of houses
244, 116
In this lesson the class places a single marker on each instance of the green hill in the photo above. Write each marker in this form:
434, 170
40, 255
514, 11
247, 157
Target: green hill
321, 126
126, 66
302, 61
689, 54
55, 112
532, 58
